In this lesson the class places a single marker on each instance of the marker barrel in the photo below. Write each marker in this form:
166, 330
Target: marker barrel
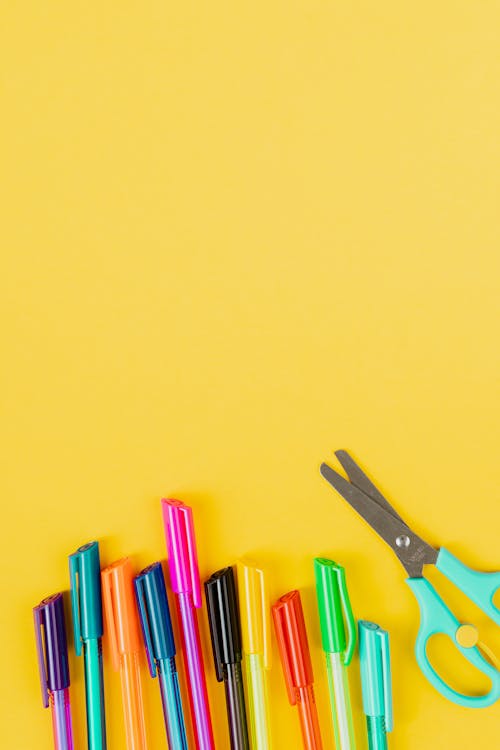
377, 738
259, 725
61, 719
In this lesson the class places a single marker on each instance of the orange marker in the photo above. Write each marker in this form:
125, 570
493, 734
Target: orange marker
296, 661
122, 626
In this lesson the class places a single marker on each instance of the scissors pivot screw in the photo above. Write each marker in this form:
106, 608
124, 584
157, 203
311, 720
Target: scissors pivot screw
403, 541
467, 636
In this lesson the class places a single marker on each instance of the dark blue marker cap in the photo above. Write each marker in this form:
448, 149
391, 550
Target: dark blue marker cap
154, 615
51, 646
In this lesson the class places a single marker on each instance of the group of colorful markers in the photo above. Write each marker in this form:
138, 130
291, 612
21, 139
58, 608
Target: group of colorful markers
239, 627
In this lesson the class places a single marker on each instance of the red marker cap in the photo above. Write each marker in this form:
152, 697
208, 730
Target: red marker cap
292, 643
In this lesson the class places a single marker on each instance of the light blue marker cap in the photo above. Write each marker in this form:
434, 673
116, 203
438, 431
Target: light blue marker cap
375, 665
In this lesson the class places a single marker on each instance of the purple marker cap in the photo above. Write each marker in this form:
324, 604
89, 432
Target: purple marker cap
53, 653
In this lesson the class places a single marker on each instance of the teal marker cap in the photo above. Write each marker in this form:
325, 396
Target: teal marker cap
375, 666
86, 603
335, 611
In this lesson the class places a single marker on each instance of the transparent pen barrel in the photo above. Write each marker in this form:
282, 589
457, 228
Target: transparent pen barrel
61, 719
377, 738
258, 706
94, 693
236, 710
172, 705
135, 729
340, 700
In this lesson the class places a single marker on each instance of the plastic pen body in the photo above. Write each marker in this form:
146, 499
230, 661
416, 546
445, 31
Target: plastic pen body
195, 671
258, 708
61, 719
130, 679
94, 694
377, 737
172, 706
236, 711
340, 700
308, 716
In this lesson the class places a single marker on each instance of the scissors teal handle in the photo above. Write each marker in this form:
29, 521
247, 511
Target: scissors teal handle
436, 618
478, 587
414, 553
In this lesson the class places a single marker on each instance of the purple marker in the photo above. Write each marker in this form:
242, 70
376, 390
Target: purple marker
53, 665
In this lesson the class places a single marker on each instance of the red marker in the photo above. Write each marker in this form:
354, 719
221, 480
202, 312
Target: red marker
296, 661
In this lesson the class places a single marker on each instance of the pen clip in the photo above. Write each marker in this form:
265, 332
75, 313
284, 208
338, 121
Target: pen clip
74, 575
265, 619
383, 636
144, 618
42, 668
349, 616
214, 607
285, 658
110, 615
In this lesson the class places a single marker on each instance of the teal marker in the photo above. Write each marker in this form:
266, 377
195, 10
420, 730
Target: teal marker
336, 617
376, 684
86, 607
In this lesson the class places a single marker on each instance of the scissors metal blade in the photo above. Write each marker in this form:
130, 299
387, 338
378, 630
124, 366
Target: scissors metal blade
411, 550
358, 478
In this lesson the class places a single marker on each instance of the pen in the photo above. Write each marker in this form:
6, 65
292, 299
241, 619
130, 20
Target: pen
256, 639
333, 600
52, 654
375, 666
185, 581
122, 629
156, 626
86, 605
223, 617
296, 661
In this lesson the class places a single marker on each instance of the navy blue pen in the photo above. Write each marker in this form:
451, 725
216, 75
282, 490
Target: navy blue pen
156, 626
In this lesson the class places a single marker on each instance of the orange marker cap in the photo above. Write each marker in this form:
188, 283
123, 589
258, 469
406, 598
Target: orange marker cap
120, 611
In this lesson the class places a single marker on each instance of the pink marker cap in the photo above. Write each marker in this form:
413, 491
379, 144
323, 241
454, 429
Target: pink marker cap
181, 549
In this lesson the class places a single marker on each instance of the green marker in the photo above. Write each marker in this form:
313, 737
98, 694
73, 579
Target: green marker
375, 682
86, 606
333, 604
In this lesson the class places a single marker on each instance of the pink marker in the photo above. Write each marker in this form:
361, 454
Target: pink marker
185, 581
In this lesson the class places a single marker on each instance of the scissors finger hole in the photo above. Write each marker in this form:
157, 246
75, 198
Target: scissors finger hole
454, 669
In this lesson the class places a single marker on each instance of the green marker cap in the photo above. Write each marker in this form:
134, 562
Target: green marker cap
86, 603
335, 612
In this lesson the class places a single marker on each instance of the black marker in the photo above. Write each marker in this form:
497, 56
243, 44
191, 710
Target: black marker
224, 620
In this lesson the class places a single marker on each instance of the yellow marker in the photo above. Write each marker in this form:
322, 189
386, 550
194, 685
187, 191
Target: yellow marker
256, 637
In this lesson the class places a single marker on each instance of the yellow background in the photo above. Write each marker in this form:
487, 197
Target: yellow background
237, 236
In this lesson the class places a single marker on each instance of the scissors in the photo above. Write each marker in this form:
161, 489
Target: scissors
413, 553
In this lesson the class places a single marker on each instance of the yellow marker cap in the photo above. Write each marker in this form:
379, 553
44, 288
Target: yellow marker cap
254, 610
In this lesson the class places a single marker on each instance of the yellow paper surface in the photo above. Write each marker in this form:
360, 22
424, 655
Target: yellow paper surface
237, 236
